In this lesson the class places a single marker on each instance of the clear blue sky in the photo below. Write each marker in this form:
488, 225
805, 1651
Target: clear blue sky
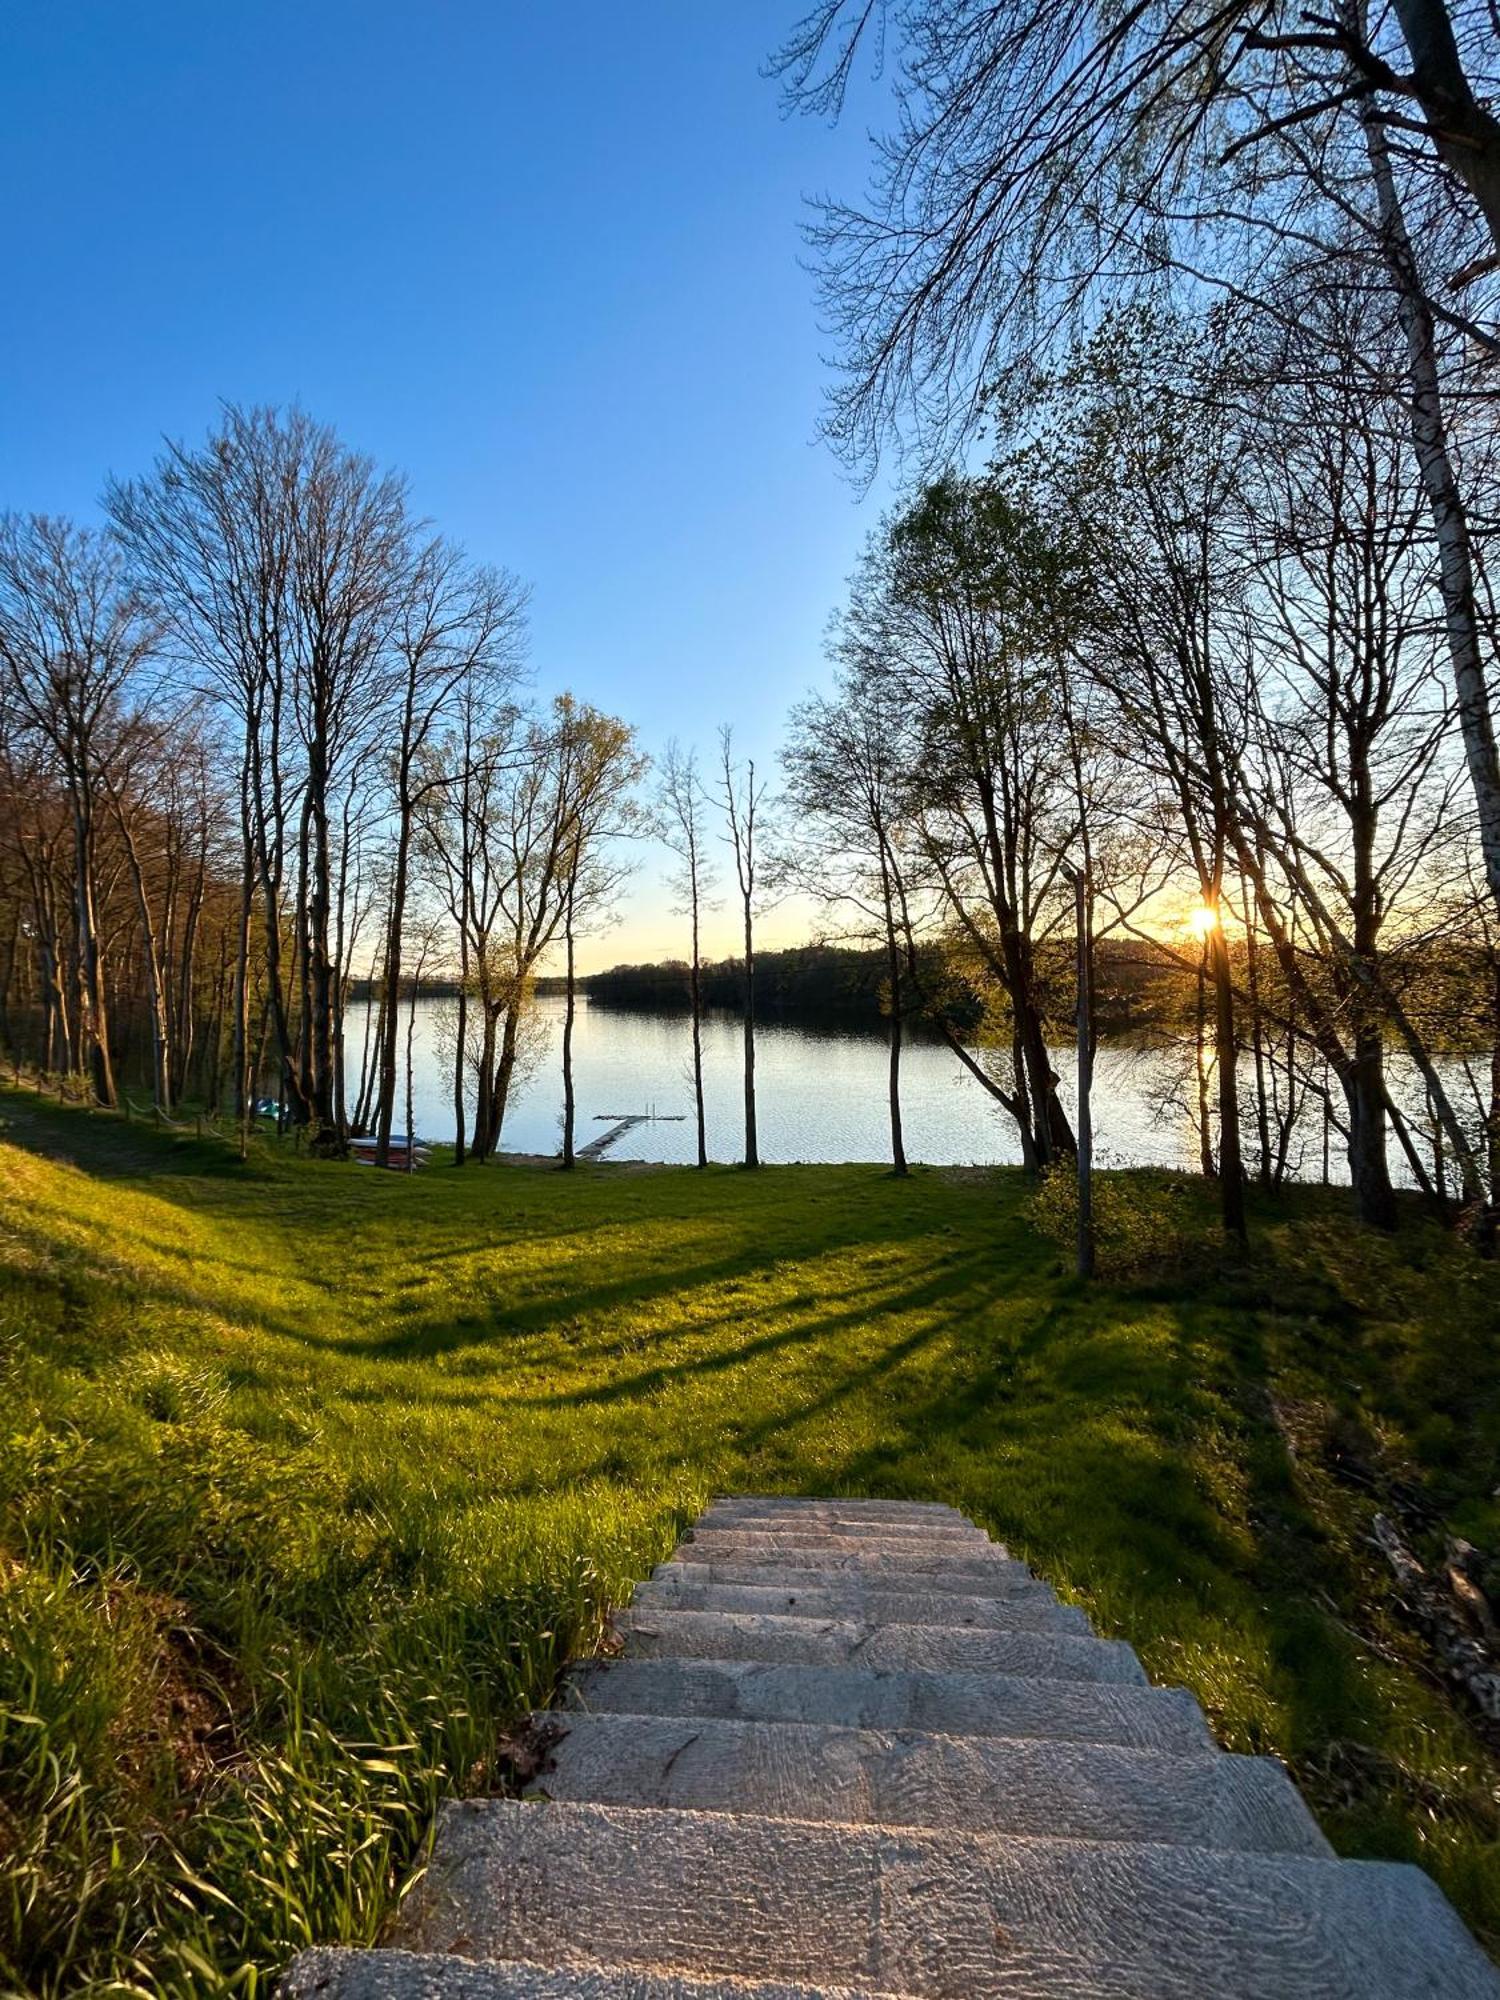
545, 258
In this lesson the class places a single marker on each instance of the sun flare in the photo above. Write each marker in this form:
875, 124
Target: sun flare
1203, 921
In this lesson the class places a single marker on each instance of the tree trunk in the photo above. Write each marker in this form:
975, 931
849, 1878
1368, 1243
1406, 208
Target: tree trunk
893, 977
1085, 1042
695, 989
460, 1048
479, 1144
1051, 1135
327, 1137
752, 1146
156, 983
1465, 133
1200, 1064
411, 1116
242, 1093
93, 1013
505, 1071
1445, 503
1226, 1058
1258, 1048
567, 1034
385, 1094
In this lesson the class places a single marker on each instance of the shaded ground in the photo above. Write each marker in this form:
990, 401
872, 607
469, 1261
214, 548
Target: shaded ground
309, 1476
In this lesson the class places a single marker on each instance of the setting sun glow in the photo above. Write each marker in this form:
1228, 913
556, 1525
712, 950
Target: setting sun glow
1203, 921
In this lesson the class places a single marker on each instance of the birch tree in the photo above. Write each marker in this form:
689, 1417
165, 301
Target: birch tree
681, 804
73, 639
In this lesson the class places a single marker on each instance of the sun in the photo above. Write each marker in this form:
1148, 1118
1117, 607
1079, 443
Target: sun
1203, 921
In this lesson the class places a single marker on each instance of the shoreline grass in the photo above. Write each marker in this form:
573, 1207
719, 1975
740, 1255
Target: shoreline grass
311, 1477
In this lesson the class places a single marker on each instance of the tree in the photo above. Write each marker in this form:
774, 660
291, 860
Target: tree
350, 572
1349, 790
846, 786
512, 834
1041, 155
209, 535
459, 630
137, 786
1161, 468
35, 826
681, 803
1050, 159
742, 799
600, 768
951, 627
281, 560
73, 640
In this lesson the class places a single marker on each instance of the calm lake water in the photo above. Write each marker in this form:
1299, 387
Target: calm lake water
821, 1095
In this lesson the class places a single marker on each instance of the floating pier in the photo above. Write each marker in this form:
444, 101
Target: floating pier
621, 1122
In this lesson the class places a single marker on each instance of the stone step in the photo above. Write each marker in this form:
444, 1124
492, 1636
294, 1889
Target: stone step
776, 1505
808, 1642
329, 1974
938, 1916
954, 1704
832, 1521
808, 1549
994, 1580
957, 1536
976, 1575
974, 1784
868, 1604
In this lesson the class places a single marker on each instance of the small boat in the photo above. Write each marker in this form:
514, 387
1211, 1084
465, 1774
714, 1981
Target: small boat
402, 1152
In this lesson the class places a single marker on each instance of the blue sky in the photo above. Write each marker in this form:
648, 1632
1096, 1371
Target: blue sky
547, 259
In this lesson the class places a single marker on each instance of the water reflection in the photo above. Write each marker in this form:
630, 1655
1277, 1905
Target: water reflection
821, 1095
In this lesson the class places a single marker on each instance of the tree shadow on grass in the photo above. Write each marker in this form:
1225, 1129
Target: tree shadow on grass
894, 1302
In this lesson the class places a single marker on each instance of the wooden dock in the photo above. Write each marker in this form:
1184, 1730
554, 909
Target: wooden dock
621, 1122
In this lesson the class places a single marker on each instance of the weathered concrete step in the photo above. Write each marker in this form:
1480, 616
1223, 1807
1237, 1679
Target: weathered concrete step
945, 1917
808, 1548
840, 1521
326, 1974
868, 1604
973, 1784
998, 1580
775, 1505
955, 1704
871, 1535
754, 1635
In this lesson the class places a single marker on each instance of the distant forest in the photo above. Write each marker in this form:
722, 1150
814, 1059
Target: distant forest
840, 985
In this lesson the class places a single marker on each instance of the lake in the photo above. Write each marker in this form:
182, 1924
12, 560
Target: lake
821, 1094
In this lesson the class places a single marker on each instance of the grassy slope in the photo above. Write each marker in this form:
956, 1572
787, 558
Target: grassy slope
309, 1476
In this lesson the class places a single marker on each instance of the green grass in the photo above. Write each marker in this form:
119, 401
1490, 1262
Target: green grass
310, 1477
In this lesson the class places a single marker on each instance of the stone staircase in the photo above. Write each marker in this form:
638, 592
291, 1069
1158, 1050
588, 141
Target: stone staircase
852, 1748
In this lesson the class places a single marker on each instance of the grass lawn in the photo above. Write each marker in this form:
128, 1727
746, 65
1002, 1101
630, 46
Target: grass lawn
310, 1477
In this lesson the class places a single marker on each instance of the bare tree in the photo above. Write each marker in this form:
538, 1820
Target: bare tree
349, 583
209, 535
1171, 648
1040, 155
135, 785
35, 827
519, 817
847, 785
1047, 160
601, 770
458, 630
73, 637
742, 798
951, 626
681, 804
1349, 791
